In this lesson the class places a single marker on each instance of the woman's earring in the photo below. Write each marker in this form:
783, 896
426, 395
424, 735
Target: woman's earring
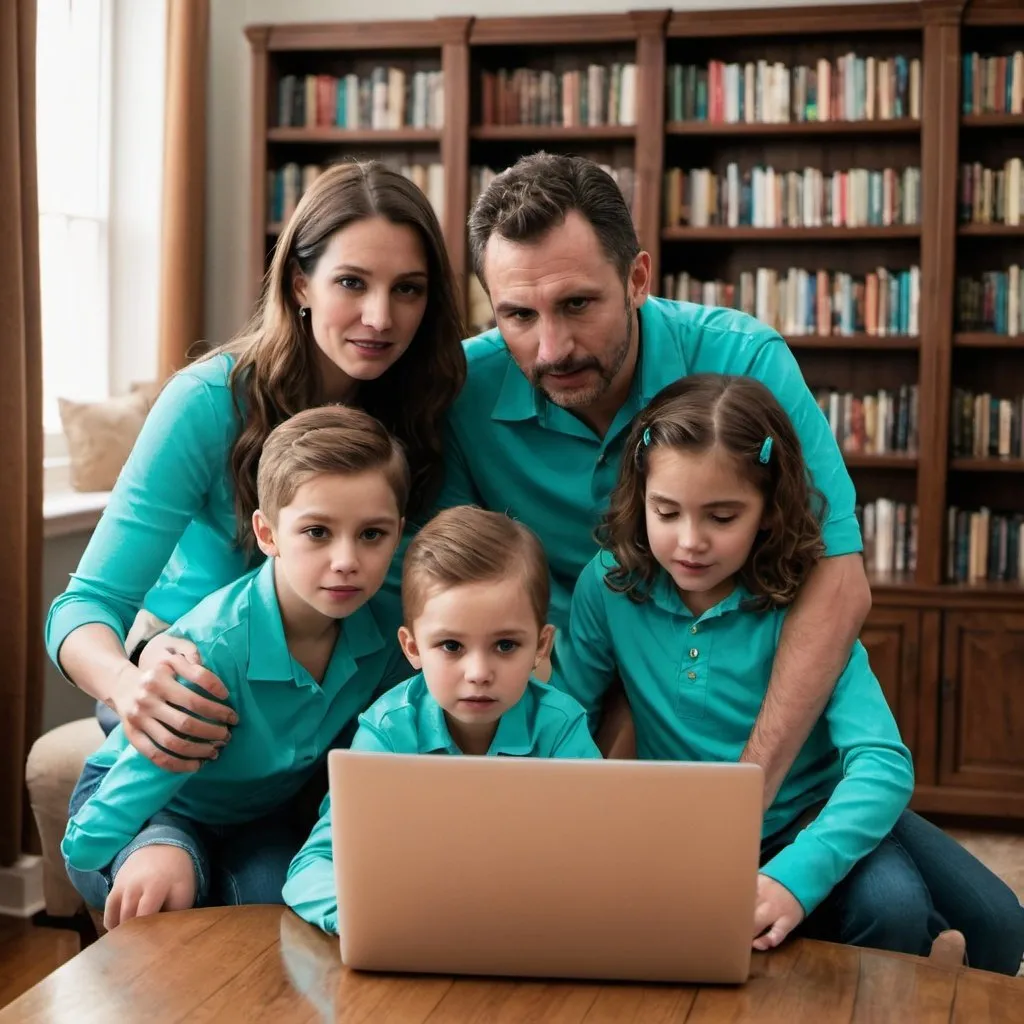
303, 310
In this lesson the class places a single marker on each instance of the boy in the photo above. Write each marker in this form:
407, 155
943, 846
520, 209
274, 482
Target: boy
332, 487
475, 601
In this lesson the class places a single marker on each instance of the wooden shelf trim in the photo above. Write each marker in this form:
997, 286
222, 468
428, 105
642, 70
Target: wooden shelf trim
987, 339
991, 230
890, 460
992, 120
893, 342
894, 126
993, 464
375, 136
787, 234
540, 132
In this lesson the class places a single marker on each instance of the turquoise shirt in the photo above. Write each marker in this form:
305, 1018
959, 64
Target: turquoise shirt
695, 686
287, 721
168, 536
407, 720
510, 449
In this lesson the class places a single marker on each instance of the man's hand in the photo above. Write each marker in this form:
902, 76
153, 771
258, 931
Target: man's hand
153, 878
776, 913
154, 706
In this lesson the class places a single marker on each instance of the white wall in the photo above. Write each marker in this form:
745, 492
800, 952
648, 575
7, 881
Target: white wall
227, 175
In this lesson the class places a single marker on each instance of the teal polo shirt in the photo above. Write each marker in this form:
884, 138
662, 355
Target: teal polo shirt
511, 450
167, 538
546, 722
695, 686
287, 721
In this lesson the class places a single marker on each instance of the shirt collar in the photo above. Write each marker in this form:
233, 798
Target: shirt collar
512, 737
269, 657
666, 597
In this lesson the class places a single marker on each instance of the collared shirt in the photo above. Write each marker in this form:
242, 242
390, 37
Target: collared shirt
545, 722
287, 721
168, 536
695, 686
509, 449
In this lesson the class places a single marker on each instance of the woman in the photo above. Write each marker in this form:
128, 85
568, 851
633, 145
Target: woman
359, 307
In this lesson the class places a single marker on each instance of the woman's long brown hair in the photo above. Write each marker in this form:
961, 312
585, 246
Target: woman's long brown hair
275, 373
696, 413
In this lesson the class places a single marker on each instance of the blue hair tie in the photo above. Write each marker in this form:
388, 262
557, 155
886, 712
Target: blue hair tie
647, 438
766, 451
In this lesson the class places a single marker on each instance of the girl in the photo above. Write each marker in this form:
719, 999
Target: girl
711, 531
359, 307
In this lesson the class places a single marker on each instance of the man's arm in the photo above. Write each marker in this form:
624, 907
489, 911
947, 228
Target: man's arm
815, 645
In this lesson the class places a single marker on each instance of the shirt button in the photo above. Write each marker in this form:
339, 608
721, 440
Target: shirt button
691, 675
694, 652
693, 629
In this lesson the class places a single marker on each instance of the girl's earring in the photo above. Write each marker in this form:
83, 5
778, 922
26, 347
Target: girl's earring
303, 310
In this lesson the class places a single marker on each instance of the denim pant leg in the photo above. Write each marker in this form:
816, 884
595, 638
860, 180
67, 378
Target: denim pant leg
251, 860
107, 717
164, 828
883, 903
967, 895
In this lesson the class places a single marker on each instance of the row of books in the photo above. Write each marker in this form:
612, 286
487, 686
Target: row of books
386, 98
875, 424
984, 545
992, 195
624, 175
983, 426
852, 88
992, 301
763, 197
287, 184
600, 95
814, 302
993, 85
889, 531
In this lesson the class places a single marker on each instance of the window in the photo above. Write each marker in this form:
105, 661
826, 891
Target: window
73, 96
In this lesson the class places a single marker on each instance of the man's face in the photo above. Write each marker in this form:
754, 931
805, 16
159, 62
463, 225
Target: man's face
564, 312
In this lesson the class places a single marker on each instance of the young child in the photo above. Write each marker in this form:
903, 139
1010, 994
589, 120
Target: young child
475, 603
301, 652
710, 533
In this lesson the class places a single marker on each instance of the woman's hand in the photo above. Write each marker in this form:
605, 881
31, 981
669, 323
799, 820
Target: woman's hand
776, 913
154, 707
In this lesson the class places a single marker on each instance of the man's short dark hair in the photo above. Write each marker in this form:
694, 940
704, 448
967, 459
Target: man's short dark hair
535, 194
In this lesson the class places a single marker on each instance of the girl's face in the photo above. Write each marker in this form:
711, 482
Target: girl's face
366, 298
702, 519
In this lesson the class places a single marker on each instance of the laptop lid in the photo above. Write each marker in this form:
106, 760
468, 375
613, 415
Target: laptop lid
633, 870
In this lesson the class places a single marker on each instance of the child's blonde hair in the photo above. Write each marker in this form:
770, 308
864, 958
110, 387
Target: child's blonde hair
327, 439
697, 413
465, 544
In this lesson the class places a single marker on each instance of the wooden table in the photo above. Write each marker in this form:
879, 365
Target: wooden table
263, 963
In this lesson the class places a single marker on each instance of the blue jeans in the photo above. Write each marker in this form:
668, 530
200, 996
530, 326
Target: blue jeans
233, 864
917, 882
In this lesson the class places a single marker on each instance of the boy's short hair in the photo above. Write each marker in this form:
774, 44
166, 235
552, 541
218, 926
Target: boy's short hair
466, 544
328, 439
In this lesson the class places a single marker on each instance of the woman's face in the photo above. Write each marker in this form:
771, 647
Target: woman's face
365, 299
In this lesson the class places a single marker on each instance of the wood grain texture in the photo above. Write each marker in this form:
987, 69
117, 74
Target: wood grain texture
264, 964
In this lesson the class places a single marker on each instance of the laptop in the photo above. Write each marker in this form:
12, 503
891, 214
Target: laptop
531, 867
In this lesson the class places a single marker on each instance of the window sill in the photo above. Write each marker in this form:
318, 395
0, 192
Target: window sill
68, 512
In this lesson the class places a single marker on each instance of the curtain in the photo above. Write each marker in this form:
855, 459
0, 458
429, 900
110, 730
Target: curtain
184, 183
21, 426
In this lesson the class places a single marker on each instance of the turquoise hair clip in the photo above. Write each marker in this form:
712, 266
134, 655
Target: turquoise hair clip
647, 438
766, 451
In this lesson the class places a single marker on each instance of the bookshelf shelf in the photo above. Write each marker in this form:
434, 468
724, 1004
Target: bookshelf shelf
796, 129
992, 121
544, 132
892, 460
852, 342
983, 339
990, 465
992, 230
826, 234
380, 136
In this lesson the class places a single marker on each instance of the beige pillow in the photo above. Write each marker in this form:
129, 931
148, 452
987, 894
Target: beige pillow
100, 435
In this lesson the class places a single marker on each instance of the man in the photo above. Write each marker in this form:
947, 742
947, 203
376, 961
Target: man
578, 350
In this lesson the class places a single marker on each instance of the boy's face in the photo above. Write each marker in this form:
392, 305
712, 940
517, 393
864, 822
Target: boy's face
477, 645
333, 542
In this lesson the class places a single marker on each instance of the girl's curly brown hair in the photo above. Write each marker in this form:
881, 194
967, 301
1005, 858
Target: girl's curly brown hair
696, 413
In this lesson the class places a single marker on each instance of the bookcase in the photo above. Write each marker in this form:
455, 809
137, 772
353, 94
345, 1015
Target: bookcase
870, 209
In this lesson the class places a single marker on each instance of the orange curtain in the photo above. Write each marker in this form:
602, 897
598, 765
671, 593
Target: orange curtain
184, 186
21, 425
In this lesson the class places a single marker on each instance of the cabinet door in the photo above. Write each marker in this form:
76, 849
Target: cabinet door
891, 637
982, 733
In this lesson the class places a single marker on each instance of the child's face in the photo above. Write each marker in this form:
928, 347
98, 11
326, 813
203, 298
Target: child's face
333, 542
702, 519
477, 645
